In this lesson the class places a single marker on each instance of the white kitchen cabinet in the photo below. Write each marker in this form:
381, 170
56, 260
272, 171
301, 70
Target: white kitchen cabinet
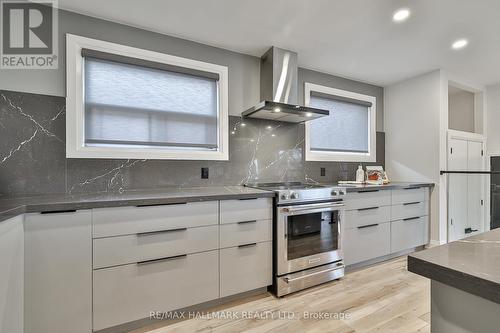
235, 234
58, 272
373, 227
408, 233
163, 258
233, 211
245, 267
121, 250
465, 191
475, 187
368, 198
12, 275
367, 215
366, 242
117, 221
130, 292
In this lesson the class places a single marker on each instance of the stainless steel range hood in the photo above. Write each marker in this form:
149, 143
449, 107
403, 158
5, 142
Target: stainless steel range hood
279, 90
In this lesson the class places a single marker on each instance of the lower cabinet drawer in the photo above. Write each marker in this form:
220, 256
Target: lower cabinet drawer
367, 198
367, 215
410, 209
410, 195
235, 234
245, 268
127, 293
121, 250
367, 242
232, 211
408, 233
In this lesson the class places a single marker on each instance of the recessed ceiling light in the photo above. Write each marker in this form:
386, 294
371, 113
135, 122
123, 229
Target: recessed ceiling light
459, 44
401, 15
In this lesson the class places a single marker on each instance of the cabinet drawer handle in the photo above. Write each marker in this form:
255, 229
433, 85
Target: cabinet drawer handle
247, 245
152, 261
411, 188
411, 218
367, 191
162, 204
249, 221
369, 208
368, 226
411, 203
149, 233
242, 199
59, 211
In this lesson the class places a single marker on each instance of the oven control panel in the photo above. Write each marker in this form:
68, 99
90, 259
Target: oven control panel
311, 194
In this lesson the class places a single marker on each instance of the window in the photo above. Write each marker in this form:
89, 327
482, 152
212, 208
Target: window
348, 133
125, 102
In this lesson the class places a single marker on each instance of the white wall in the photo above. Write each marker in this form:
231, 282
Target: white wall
493, 116
414, 120
461, 111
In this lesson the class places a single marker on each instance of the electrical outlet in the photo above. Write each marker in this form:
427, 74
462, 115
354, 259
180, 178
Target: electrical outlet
204, 173
322, 171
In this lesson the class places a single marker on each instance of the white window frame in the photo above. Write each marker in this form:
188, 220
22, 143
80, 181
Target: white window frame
75, 108
371, 156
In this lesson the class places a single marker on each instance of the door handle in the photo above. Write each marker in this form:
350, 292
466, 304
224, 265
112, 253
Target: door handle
149, 233
247, 245
152, 261
368, 226
411, 203
411, 218
369, 208
245, 222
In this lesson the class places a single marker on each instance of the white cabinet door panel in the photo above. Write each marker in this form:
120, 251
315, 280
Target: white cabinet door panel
118, 221
12, 275
58, 273
475, 187
457, 189
120, 250
233, 211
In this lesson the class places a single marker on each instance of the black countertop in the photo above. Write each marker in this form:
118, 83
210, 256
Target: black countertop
471, 264
390, 186
12, 207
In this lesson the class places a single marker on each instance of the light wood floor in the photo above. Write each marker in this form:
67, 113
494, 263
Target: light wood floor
382, 298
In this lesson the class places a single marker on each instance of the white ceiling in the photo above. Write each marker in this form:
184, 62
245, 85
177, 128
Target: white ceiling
351, 38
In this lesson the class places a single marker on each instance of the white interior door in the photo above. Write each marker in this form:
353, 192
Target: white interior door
457, 189
475, 187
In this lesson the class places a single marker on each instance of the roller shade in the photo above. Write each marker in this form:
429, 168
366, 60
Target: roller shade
341, 99
345, 130
136, 103
89, 53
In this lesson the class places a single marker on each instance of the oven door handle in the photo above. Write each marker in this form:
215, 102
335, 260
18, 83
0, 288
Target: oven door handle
312, 208
290, 280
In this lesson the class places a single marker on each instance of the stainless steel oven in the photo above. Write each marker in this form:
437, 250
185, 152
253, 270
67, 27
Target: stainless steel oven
307, 235
309, 245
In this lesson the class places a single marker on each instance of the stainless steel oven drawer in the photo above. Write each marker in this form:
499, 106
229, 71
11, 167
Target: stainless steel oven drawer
297, 281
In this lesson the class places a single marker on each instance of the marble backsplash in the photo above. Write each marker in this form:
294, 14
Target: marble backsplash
32, 156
